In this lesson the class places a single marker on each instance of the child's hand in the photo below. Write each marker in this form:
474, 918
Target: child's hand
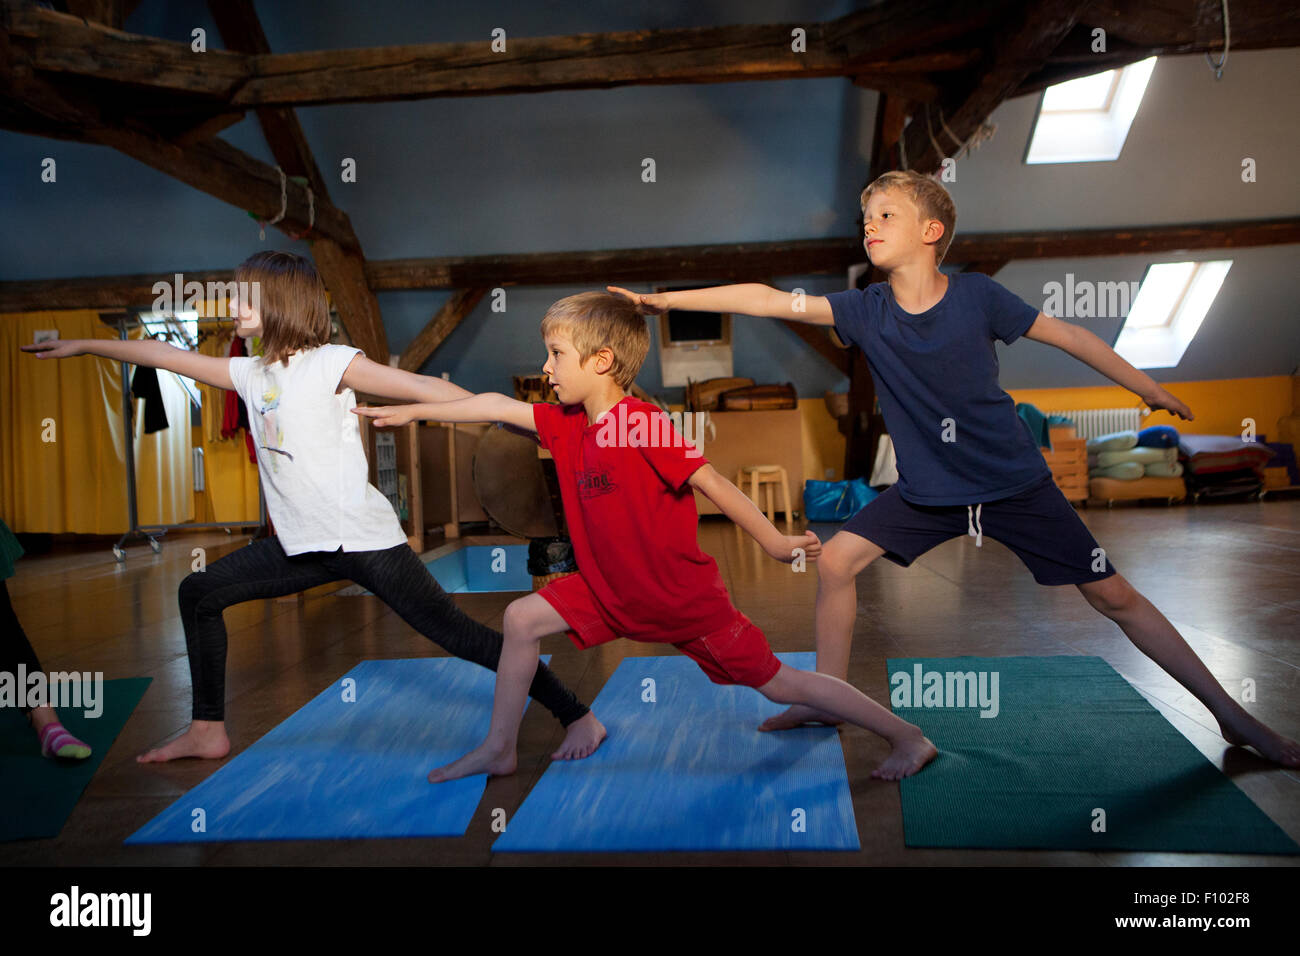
809, 542
1162, 399
387, 416
57, 348
649, 303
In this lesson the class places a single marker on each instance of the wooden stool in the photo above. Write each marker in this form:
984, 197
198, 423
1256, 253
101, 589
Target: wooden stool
766, 476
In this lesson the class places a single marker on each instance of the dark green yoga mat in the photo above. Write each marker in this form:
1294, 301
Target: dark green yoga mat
37, 794
1069, 738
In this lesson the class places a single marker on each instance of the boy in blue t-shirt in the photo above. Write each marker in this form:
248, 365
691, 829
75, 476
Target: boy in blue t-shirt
966, 464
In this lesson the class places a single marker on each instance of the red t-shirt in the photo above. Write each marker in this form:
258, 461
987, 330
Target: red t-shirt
632, 518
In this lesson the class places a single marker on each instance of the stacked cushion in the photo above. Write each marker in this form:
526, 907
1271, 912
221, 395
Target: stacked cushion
1158, 436
1115, 441
1124, 471
1209, 454
1122, 456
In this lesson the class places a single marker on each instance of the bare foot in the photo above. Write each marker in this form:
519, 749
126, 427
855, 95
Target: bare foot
205, 738
909, 755
1243, 730
797, 715
582, 739
482, 759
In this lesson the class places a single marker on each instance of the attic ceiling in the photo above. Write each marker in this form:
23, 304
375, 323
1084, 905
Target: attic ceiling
76, 78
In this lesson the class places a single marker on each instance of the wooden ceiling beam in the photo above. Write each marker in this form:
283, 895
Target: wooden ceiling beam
112, 13
939, 37
868, 46
736, 262
62, 43
1196, 26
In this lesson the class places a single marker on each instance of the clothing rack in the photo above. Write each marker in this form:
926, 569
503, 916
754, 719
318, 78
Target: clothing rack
154, 532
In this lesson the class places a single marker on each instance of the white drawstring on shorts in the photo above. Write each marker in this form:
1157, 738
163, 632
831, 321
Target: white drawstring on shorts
973, 524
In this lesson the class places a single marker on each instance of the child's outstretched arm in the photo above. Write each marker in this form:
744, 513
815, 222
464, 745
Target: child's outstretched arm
750, 298
1087, 348
486, 407
208, 369
733, 503
369, 377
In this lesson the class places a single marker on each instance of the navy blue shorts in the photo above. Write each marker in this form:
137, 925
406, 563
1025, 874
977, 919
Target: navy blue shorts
1038, 524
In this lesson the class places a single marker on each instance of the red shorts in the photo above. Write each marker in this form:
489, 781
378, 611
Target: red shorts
735, 654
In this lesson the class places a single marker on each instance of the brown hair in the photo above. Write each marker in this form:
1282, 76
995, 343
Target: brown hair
295, 314
928, 196
600, 320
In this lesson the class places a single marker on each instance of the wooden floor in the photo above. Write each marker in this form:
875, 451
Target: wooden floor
1228, 575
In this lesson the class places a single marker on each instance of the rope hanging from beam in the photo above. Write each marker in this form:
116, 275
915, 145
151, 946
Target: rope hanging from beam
1227, 38
284, 205
982, 134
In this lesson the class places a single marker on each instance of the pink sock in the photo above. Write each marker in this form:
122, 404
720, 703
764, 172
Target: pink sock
57, 742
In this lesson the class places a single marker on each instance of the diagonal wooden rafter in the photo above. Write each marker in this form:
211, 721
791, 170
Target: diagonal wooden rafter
341, 265
1026, 46
817, 339
214, 167
443, 323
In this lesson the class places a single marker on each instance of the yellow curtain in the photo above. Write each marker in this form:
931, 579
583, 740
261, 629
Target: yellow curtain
62, 447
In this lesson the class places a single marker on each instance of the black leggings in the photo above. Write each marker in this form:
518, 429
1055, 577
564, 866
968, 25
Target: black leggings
396, 575
15, 649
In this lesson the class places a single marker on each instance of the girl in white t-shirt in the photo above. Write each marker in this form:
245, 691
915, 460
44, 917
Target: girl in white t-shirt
330, 522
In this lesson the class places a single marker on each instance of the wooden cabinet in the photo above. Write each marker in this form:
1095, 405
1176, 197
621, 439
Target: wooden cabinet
756, 438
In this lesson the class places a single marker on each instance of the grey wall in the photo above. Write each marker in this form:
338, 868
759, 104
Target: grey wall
1181, 163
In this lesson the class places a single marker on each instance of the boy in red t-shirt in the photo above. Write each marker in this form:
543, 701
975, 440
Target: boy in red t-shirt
626, 478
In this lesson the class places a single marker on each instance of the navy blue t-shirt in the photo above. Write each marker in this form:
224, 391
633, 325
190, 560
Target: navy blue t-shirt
956, 434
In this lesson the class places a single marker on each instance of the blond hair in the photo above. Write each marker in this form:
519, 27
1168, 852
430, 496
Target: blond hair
295, 314
602, 320
928, 196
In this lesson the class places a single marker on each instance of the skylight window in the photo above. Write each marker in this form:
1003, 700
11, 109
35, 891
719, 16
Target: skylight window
1170, 307
1086, 93
1087, 120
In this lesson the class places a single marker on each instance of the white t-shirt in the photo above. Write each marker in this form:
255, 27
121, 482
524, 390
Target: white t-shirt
314, 471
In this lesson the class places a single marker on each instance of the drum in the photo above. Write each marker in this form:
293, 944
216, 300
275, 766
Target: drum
511, 485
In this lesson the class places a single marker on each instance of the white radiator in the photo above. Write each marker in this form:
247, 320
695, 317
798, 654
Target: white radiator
1092, 422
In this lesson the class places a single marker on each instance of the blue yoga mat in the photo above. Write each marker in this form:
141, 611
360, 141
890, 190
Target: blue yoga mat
1070, 758
476, 568
342, 770
690, 771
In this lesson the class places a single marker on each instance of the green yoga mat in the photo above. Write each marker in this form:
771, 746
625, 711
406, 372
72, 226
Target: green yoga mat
1067, 740
37, 794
